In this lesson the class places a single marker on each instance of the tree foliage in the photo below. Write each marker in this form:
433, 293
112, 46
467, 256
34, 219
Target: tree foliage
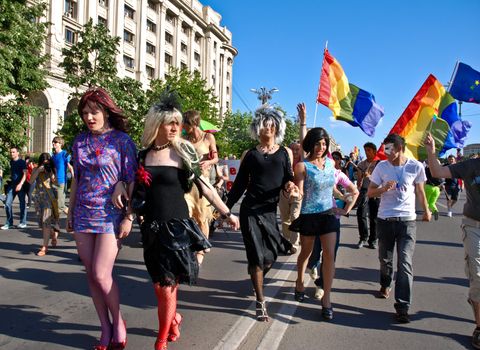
234, 136
22, 37
193, 91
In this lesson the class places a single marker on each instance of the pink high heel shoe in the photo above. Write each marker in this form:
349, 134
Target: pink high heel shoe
174, 333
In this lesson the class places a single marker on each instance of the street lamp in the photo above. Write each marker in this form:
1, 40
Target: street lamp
263, 94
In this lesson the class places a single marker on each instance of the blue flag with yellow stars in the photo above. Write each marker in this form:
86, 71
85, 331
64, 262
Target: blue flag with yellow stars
466, 84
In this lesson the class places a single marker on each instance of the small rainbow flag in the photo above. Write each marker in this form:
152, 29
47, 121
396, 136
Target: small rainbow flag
347, 101
431, 110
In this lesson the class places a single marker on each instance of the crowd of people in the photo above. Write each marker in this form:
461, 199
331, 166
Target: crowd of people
174, 186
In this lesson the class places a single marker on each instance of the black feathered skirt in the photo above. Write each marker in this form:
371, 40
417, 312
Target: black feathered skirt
169, 250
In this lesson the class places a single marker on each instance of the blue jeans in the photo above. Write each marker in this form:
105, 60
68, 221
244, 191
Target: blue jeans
403, 234
8, 205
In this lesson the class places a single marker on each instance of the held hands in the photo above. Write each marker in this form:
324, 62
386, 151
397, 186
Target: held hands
339, 211
119, 192
232, 220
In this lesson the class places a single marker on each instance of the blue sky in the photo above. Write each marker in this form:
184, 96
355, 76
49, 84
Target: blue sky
387, 48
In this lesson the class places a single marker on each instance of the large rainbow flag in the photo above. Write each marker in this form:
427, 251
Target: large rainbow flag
431, 110
347, 101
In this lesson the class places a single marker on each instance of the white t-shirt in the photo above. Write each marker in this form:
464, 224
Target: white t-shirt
399, 202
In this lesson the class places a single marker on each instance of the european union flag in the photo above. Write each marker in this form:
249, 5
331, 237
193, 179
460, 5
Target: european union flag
466, 84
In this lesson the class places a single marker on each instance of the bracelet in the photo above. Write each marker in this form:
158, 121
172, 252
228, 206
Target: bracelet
226, 215
303, 124
129, 218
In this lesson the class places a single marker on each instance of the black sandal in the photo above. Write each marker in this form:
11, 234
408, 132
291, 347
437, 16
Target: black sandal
299, 296
261, 311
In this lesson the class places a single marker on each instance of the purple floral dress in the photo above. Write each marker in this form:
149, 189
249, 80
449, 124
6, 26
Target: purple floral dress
100, 161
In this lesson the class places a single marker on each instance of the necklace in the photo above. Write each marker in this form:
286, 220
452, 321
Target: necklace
159, 148
266, 149
193, 138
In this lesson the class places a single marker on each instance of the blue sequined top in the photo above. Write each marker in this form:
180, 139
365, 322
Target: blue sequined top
318, 187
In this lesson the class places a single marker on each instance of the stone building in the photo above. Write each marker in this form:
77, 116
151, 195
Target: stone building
156, 34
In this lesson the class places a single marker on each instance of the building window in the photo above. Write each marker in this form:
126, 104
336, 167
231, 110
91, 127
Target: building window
129, 12
71, 9
183, 65
151, 49
102, 21
128, 36
185, 29
150, 71
151, 5
70, 36
215, 46
227, 105
151, 26
103, 3
169, 17
168, 38
229, 61
196, 56
228, 90
168, 58
183, 48
198, 38
129, 62
228, 75
214, 81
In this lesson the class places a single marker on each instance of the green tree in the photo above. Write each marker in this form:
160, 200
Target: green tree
234, 136
193, 92
91, 62
22, 38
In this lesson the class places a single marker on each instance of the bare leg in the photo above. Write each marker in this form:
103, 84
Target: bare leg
328, 266
306, 243
98, 253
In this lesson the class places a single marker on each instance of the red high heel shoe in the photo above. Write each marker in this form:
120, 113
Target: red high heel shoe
161, 344
118, 346
101, 347
174, 333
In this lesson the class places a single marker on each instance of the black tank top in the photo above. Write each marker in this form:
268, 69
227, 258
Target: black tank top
165, 196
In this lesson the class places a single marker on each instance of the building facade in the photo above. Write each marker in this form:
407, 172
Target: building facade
471, 149
155, 35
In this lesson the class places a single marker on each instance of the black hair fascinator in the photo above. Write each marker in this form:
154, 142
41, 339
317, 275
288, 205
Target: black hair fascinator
169, 99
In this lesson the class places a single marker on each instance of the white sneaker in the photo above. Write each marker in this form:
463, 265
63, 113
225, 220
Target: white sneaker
5, 227
313, 274
449, 214
21, 225
318, 293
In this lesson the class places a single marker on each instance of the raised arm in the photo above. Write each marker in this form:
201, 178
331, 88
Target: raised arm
436, 169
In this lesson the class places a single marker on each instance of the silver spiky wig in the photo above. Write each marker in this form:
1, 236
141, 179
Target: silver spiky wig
264, 115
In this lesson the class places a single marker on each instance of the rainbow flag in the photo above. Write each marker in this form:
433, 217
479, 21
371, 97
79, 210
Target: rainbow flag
431, 110
347, 101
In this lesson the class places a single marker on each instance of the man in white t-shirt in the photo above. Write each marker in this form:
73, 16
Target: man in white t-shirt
397, 181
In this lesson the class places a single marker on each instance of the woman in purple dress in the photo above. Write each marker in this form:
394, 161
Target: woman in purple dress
103, 157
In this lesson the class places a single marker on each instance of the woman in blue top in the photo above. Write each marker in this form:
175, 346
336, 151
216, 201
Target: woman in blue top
315, 178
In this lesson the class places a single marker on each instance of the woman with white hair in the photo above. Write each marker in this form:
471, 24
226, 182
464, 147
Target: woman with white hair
265, 170
168, 168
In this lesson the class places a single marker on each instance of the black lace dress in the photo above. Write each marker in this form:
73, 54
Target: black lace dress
262, 176
170, 238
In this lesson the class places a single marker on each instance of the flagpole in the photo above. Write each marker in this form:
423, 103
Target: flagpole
315, 117
453, 76
316, 102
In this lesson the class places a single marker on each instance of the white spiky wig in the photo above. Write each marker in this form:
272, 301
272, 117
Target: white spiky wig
268, 114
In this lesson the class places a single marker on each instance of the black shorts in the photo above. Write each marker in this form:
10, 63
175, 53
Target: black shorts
453, 192
315, 224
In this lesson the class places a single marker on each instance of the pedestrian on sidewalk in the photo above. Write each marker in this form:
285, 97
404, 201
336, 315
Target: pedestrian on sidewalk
469, 172
18, 168
104, 159
45, 200
168, 168
367, 207
397, 181
433, 187
62, 163
264, 172
28, 187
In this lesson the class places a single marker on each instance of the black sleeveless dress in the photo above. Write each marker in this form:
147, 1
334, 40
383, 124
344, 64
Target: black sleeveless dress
263, 176
170, 238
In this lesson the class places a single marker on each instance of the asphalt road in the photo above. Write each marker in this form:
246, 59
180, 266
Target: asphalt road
44, 302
